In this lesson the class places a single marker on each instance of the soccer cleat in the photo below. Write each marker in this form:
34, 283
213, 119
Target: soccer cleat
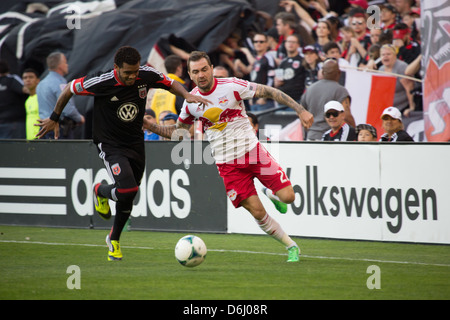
293, 254
280, 206
114, 253
101, 204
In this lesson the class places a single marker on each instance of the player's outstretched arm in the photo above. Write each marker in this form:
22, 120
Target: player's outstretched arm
51, 124
174, 132
179, 90
263, 91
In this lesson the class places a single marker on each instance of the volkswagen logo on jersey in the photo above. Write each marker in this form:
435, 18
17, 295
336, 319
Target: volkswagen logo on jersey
128, 111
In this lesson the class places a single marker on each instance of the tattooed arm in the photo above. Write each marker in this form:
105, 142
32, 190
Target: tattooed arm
176, 131
263, 91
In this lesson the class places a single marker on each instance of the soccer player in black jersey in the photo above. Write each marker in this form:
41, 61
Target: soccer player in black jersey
119, 105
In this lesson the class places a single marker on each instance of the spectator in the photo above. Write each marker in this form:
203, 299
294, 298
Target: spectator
374, 62
393, 126
332, 50
220, 72
161, 115
412, 20
375, 35
386, 37
347, 34
366, 133
48, 92
388, 16
163, 99
286, 25
233, 55
339, 130
403, 6
335, 24
168, 120
272, 41
318, 94
408, 49
151, 117
30, 79
12, 100
403, 98
311, 64
360, 43
290, 76
323, 32
262, 71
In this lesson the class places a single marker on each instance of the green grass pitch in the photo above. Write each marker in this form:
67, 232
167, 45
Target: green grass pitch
34, 264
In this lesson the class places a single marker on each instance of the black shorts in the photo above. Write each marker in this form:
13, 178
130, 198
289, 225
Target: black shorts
125, 165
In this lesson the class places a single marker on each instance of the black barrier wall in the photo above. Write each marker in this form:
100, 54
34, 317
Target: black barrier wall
48, 183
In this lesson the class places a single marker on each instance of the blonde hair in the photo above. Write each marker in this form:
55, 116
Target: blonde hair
389, 46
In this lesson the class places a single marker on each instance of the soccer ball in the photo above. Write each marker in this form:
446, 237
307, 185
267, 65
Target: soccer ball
190, 251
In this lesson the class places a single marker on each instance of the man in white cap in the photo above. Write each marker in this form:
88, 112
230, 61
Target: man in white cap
393, 126
335, 117
321, 92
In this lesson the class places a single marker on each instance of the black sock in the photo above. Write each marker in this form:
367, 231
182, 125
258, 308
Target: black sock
104, 190
123, 212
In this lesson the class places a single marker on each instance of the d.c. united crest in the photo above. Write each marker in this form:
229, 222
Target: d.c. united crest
143, 93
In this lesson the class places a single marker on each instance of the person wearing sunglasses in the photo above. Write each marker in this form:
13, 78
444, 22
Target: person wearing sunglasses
335, 118
262, 70
321, 92
361, 42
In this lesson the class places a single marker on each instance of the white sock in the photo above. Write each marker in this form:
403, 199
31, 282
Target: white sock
273, 229
270, 194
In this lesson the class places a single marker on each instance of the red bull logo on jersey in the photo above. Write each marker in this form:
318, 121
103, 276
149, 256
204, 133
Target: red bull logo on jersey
223, 101
232, 194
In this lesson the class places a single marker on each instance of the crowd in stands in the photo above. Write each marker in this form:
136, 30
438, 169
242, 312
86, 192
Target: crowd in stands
304, 50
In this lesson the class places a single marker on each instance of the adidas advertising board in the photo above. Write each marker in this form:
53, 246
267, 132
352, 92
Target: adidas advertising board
49, 183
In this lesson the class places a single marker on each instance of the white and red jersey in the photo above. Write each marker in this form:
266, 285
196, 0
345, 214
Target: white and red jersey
225, 121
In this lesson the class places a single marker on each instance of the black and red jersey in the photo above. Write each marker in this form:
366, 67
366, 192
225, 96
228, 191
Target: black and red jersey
119, 109
345, 133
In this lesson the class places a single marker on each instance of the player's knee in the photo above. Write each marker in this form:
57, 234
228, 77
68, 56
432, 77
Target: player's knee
289, 198
126, 195
286, 195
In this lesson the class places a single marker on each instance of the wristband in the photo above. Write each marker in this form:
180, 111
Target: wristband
54, 116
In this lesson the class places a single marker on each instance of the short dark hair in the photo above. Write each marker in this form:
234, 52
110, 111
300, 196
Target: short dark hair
196, 56
401, 26
287, 18
172, 62
127, 54
31, 70
330, 45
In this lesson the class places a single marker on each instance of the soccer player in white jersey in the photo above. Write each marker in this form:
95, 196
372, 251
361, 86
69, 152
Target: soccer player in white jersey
238, 154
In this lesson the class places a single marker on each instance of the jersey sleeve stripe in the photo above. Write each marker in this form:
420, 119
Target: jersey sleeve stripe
96, 80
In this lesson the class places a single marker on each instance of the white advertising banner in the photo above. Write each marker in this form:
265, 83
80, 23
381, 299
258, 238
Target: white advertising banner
384, 192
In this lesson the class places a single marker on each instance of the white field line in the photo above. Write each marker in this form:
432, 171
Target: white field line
233, 251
